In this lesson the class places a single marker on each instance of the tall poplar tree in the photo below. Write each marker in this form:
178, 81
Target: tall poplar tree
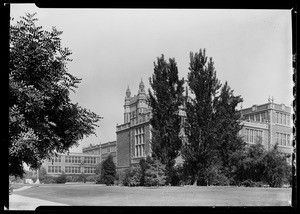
228, 124
199, 153
212, 124
165, 101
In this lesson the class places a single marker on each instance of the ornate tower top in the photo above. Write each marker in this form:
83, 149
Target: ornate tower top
141, 87
128, 92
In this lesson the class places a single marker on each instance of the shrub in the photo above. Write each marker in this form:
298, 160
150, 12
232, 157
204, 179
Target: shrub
108, 172
132, 176
91, 178
81, 178
62, 179
155, 174
49, 180
248, 183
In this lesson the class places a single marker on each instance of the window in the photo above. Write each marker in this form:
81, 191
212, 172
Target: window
288, 142
283, 139
72, 169
89, 160
54, 169
251, 135
104, 150
247, 135
257, 117
139, 142
89, 170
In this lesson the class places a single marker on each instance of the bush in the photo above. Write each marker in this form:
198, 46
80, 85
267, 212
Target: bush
81, 178
62, 179
155, 174
49, 180
221, 180
132, 176
91, 178
108, 172
248, 183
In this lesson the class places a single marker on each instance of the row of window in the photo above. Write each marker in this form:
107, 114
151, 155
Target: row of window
253, 135
54, 169
72, 159
108, 149
89, 160
282, 118
89, 170
283, 139
70, 169
259, 117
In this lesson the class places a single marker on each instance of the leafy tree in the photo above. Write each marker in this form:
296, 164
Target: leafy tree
82, 177
42, 174
42, 119
155, 174
276, 169
62, 179
212, 124
201, 150
165, 102
133, 176
227, 120
108, 171
143, 166
98, 169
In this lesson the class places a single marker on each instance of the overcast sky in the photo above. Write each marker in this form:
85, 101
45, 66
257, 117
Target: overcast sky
115, 48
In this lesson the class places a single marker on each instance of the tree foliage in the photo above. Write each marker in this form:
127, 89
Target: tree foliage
277, 171
108, 171
165, 102
42, 119
155, 173
212, 123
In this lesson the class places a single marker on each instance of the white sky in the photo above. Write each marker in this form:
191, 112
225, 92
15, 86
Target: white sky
114, 48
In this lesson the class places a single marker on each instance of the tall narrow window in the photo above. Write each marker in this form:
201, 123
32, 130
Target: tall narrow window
139, 141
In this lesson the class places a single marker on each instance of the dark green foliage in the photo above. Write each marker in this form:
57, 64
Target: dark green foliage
98, 169
143, 166
50, 180
200, 152
82, 178
155, 174
212, 125
42, 119
276, 169
227, 128
108, 171
165, 101
62, 179
132, 176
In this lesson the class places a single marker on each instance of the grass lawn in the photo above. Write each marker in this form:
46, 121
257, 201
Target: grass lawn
99, 195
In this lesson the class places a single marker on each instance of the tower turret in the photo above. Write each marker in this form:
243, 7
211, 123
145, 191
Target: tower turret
127, 106
141, 105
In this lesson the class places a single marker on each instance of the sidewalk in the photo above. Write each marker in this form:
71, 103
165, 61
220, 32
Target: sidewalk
18, 202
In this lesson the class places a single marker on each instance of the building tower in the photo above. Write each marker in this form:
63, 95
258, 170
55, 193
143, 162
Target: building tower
141, 99
127, 106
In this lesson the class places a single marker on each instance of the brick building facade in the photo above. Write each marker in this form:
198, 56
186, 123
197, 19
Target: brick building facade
270, 122
133, 136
